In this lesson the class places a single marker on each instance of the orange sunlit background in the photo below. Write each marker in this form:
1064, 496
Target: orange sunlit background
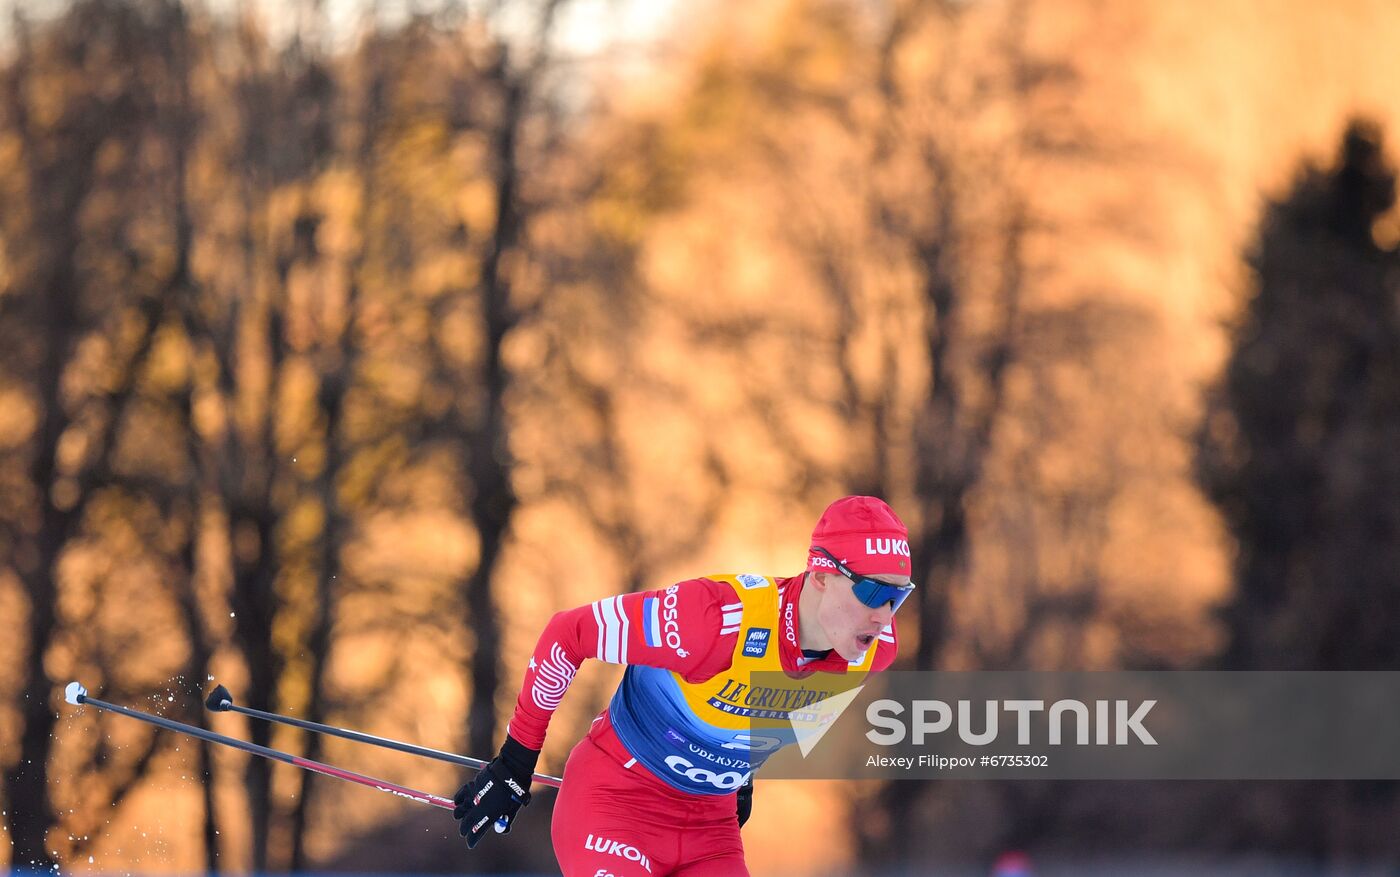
341, 345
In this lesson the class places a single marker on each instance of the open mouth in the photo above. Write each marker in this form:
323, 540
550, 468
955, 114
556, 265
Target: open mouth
865, 639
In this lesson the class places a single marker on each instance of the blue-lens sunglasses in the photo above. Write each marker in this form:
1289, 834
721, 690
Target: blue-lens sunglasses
868, 591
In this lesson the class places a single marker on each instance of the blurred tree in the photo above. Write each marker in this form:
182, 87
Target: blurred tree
244, 324
189, 499
175, 389
481, 418
593, 369
95, 265
1298, 451
333, 345
1298, 444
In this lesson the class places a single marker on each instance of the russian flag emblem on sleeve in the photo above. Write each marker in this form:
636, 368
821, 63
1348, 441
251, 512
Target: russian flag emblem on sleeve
651, 621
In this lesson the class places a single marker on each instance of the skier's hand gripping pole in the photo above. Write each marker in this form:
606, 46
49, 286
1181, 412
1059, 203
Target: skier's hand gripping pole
496, 794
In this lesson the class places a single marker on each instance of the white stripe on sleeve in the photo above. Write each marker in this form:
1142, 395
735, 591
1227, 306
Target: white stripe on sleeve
598, 618
625, 632
610, 645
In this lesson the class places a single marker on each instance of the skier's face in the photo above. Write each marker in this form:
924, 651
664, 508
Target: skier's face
850, 626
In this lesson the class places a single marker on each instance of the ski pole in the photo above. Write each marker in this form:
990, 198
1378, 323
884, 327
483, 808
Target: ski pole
76, 694
220, 700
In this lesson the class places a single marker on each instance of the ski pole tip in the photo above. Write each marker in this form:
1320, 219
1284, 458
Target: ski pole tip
74, 693
219, 699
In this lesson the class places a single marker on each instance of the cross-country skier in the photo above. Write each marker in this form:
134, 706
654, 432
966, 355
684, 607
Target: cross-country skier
654, 787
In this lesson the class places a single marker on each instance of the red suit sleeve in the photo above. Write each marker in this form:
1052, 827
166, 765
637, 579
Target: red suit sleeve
690, 628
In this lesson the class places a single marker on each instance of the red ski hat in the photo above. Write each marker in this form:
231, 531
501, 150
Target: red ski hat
865, 534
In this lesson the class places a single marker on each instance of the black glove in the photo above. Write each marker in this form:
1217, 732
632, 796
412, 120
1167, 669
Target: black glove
745, 796
497, 793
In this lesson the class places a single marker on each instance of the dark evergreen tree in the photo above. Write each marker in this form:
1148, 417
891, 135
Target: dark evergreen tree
1299, 447
1299, 452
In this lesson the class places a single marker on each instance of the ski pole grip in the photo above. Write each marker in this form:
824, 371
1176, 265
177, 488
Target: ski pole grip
219, 699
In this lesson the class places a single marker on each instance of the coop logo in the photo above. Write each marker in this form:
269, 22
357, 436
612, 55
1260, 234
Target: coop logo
617, 848
875, 546
756, 641
659, 622
726, 780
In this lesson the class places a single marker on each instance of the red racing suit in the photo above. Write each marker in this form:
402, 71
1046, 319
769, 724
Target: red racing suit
651, 789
